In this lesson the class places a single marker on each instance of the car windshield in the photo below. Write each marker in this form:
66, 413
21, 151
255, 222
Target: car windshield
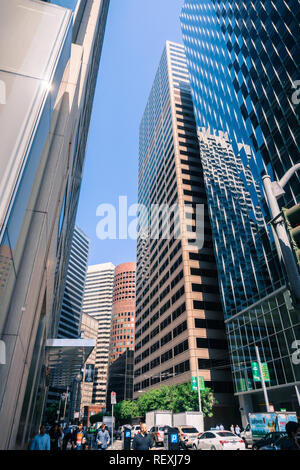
161, 429
226, 434
189, 430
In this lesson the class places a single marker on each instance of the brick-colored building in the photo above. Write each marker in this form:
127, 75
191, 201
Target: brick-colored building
179, 326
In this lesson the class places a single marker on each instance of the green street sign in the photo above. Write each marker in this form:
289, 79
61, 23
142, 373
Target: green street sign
194, 383
201, 383
265, 371
255, 372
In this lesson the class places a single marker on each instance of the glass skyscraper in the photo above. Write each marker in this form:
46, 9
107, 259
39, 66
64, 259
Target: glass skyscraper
255, 295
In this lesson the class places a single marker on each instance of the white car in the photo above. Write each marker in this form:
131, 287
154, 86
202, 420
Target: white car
218, 440
135, 430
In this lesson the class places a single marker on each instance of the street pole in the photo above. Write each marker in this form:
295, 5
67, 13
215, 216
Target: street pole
112, 424
298, 394
199, 393
65, 407
273, 191
58, 411
262, 380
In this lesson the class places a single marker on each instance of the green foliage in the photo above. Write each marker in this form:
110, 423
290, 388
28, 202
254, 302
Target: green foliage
51, 412
176, 398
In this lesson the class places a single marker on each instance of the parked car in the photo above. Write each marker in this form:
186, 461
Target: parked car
218, 440
158, 433
188, 434
135, 430
268, 440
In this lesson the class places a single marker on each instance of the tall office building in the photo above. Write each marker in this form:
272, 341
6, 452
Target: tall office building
180, 328
71, 310
121, 349
97, 302
240, 80
49, 59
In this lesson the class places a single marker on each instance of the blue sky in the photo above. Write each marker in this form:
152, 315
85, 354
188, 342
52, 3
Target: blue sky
135, 36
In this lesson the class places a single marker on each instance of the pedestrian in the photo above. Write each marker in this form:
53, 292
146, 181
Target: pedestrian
221, 427
232, 428
142, 440
218, 428
292, 441
56, 435
79, 438
41, 441
103, 438
67, 437
237, 430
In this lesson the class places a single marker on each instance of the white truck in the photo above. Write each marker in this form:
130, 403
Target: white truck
261, 424
159, 417
189, 418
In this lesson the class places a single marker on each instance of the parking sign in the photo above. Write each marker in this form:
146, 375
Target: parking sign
113, 398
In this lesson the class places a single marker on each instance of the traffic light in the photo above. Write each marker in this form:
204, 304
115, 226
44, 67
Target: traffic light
292, 218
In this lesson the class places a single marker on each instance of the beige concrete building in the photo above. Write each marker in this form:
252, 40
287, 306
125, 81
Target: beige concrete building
179, 320
97, 302
48, 66
89, 329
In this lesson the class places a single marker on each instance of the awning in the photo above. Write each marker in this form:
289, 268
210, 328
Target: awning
65, 358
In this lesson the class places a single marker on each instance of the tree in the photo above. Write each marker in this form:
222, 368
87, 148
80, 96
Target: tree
176, 398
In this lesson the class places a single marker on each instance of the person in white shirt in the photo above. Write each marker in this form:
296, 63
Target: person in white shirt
237, 430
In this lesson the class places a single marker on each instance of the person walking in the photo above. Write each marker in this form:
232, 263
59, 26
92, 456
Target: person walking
221, 427
237, 430
41, 441
232, 428
142, 440
103, 438
56, 435
79, 438
292, 441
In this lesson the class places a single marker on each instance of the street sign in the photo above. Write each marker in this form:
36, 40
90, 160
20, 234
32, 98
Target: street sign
255, 372
194, 383
265, 371
113, 398
201, 383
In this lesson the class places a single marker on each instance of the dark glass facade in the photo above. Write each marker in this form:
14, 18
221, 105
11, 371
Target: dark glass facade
235, 89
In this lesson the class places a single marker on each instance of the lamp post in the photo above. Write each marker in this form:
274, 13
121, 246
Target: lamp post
274, 190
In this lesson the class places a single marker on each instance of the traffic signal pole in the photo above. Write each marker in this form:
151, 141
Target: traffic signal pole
273, 191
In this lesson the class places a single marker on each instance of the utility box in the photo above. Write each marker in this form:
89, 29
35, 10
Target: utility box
189, 418
159, 418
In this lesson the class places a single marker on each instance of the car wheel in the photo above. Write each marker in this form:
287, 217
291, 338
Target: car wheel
246, 444
194, 447
254, 447
213, 448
